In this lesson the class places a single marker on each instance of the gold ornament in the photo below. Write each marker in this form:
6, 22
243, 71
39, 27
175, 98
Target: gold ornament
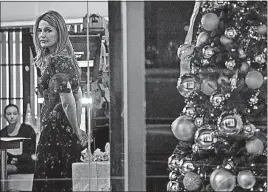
255, 146
183, 128
222, 180
244, 68
246, 179
192, 181
210, 21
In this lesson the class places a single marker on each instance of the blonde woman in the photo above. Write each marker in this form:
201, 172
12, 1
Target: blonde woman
61, 139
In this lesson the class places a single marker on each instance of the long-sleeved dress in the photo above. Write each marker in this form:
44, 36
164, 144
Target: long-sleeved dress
25, 161
58, 146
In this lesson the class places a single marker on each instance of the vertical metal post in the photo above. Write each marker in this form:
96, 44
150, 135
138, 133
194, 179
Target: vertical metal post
3, 170
133, 32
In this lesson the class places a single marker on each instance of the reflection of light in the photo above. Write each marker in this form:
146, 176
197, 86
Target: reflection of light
40, 100
86, 100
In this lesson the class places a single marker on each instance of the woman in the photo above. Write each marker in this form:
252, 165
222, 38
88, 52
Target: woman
19, 160
61, 139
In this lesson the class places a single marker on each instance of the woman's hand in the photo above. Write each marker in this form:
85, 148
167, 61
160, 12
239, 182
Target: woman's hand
83, 138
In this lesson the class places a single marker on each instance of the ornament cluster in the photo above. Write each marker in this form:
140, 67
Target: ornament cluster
221, 131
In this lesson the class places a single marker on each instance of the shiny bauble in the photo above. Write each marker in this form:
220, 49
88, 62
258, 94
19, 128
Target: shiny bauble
209, 86
230, 64
183, 128
255, 146
260, 58
204, 138
174, 162
188, 84
202, 39
230, 123
189, 110
173, 176
262, 29
186, 165
207, 52
244, 68
225, 41
217, 99
173, 186
246, 179
254, 79
210, 21
248, 130
199, 121
222, 180
231, 33
192, 181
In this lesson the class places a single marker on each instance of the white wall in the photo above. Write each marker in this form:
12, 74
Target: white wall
28, 11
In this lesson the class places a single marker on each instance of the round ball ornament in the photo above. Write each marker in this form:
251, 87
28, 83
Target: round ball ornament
254, 79
192, 181
188, 84
222, 180
210, 21
173, 186
173, 176
207, 52
230, 123
189, 110
186, 165
255, 146
230, 64
248, 130
260, 58
246, 179
205, 138
217, 99
174, 162
262, 29
202, 39
183, 128
199, 121
231, 33
209, 86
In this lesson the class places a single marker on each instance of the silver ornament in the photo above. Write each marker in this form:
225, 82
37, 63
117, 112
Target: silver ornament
173, 176
204, 62
173, 186
174, 162
207, 52
260, 59
230, 123
199, 121
188, 84
217, 99
231, 33
230, 64
248, 130
186, 165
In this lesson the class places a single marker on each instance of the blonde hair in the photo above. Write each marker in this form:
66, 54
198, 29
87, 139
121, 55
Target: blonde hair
55, 20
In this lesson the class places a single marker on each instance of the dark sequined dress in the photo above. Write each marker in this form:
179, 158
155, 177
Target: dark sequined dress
58, 146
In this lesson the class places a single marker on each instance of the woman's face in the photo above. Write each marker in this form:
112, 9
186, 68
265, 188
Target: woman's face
12, 115
47, 35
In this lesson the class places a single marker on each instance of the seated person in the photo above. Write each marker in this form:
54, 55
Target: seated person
19, 160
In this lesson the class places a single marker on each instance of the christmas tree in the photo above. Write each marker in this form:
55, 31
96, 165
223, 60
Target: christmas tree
221, 131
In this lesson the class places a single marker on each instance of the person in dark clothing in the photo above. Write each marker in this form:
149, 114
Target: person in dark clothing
19, 160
